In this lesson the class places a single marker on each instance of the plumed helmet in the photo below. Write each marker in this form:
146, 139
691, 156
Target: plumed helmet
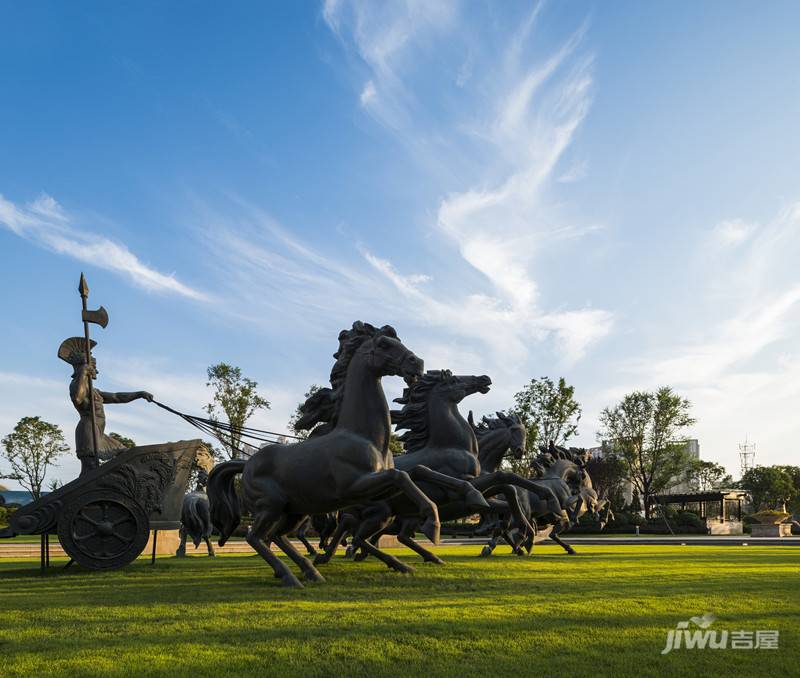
73, 350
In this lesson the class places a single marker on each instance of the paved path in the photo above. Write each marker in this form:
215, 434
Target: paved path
31, 550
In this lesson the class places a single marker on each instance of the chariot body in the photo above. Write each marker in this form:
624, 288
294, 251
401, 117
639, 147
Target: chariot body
103, 518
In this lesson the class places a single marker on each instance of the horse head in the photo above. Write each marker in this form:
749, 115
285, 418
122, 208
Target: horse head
428, 398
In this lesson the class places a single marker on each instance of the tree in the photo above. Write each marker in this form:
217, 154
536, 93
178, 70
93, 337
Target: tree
123, 440
608, 479
643, 432
549, 411
236, 397
769, 486
31, 448
302, 433
706, 475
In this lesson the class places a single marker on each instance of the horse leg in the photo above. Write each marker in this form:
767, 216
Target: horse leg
463, 488
382, 481
543, 492
346, 523
512, 496
181, 552
301, 535
554, 536
406, 538
287, 524
492, 545
210, 547
375, 521
256, 536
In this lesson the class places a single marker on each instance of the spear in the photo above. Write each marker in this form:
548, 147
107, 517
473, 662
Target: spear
100, 317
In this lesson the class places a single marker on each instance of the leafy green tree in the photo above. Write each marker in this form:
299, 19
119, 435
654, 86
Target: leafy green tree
123, 440
608, 479
31, 448
236, 398
771, 485
702, 476
643, 431
549, 412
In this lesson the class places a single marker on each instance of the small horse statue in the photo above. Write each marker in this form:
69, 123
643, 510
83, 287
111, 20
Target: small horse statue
196, 517
563, 470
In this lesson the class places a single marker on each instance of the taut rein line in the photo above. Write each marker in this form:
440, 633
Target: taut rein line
219, 429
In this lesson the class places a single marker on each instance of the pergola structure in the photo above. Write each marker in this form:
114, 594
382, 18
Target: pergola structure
721, 509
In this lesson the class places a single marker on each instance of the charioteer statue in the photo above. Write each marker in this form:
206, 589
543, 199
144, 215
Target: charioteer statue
92, 445
93, 419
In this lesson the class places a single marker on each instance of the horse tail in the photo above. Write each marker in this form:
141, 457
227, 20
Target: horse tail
224, 502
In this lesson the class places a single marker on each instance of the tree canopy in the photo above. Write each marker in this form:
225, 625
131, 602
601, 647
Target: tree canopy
644, 432
769, 486
236, 398
549, 412
31, 448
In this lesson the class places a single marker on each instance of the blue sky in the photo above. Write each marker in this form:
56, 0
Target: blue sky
603, 191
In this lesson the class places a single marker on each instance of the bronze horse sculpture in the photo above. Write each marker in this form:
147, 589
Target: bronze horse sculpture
350, 463
196, 517
563, 470
437, 437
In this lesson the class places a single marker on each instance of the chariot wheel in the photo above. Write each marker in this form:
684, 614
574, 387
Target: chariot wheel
103, 530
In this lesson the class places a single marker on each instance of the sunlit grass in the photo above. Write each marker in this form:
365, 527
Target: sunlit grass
604, 612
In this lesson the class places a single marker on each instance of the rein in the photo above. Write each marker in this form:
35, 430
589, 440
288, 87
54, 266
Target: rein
219, 429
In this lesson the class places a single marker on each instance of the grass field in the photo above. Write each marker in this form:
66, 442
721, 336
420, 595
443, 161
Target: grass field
605, 612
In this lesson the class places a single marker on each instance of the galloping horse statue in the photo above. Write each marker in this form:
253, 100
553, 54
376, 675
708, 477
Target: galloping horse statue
350, 463
563, 470
439, 438
196, 517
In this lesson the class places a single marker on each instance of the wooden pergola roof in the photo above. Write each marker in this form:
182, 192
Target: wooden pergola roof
711, 495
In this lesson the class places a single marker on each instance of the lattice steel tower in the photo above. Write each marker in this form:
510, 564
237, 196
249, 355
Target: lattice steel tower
747, 455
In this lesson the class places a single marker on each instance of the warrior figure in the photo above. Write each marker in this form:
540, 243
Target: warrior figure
73, 352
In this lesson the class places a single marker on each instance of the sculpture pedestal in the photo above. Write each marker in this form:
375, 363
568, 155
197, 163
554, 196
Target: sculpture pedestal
779, 530
166, 545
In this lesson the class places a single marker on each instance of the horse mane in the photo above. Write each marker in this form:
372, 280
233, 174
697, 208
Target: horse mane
488, 424
322, 407
414, 415
550, 454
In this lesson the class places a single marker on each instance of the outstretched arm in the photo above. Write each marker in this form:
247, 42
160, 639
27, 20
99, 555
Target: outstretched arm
117, 398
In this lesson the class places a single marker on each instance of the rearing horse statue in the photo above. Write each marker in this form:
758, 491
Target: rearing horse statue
348, 464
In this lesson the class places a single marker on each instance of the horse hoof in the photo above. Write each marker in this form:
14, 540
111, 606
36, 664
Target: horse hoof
521, 553
314, 576
476, 500
431, 529
291, 581
402, 568
361, 555
434, 561
321, 559
486, 552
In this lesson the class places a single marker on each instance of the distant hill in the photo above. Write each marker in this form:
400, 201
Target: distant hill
20, 497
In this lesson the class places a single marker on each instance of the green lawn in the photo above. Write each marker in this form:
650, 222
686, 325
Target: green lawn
605, 612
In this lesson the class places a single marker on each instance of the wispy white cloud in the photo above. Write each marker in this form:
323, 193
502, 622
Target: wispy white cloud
734, 231
520, 114
45, 223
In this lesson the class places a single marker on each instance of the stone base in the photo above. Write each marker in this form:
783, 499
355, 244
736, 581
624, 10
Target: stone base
733, 527
166, 545
388, 541
779, 530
